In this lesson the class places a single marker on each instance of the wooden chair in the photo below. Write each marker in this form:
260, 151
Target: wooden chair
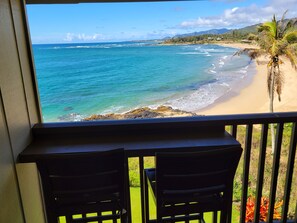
185, 185
84, 187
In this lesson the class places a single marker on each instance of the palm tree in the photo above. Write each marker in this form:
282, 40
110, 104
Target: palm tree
276, 38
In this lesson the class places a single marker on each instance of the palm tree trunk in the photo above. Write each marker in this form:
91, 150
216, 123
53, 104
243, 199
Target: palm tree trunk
271, 94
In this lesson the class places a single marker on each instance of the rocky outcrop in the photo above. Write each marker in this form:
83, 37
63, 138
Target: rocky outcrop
145, 112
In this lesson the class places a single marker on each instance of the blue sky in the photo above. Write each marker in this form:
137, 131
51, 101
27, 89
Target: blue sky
105, 22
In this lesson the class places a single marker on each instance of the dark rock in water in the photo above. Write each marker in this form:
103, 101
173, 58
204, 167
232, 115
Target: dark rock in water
68, 108
145, 112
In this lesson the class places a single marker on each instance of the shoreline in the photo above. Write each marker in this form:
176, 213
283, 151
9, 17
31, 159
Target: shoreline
248, 95
253, 97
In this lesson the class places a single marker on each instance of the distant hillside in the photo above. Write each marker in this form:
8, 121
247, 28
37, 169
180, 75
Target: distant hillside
253, 28
217, 35
248, 29
243, 31
206, 32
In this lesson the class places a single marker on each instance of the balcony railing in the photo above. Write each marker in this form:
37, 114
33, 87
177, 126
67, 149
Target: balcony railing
261, 173
260, 168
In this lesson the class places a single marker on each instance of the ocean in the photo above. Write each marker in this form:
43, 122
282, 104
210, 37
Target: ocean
78, 80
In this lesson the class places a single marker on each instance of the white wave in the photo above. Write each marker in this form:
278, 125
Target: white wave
202, 97
72, 117
212, 71
212, 50
242, 71
221, 63
114, 109
225, 84
81, 47
191, 53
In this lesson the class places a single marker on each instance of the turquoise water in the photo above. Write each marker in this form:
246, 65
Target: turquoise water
77, 80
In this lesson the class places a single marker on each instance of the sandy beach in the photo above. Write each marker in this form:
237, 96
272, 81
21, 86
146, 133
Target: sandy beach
252, 97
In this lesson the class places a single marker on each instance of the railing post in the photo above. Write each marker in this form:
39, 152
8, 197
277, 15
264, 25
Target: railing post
246, 170
143, 206
262, 156
290, 169
275, 167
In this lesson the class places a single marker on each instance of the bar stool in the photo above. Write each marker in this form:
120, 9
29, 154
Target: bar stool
84, 187
185, 185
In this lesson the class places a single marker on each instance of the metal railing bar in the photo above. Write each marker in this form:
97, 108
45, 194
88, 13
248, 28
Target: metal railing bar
262, 156
143, 206
246, 170
275, 167
290, 169
146, 202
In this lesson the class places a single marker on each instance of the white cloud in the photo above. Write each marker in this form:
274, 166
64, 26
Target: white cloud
243, 16
72, 37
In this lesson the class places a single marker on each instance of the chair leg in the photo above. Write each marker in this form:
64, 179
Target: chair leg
124, 218
215, 217
201, 220
223, 218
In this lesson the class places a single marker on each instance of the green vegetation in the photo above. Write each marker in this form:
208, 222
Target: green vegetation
248, 34
254, 165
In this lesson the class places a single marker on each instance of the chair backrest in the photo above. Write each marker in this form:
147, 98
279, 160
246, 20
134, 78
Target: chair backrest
195, 182
83, 183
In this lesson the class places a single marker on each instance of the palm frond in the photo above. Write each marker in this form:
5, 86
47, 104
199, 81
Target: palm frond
281, 27
291, 36
284, 16
253, 53
270, 28
291, 24
291, 54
